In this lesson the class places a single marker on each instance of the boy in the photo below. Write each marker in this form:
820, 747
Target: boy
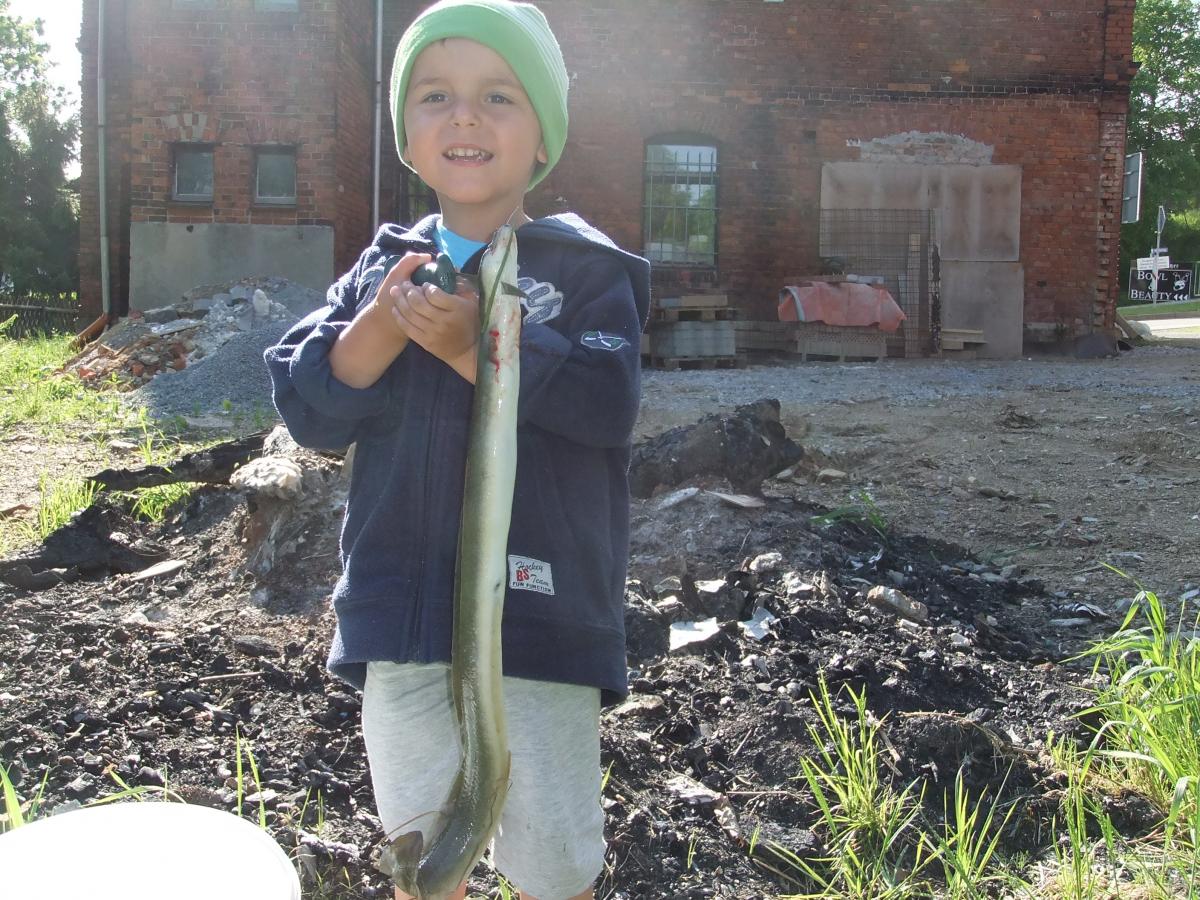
479, 96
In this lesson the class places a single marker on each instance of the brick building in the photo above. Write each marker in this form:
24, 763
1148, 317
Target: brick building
974, 146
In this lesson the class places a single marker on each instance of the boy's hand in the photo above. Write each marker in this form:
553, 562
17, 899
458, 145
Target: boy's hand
446, 325
400, 273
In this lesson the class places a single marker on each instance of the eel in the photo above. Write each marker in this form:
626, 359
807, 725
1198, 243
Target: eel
432, 867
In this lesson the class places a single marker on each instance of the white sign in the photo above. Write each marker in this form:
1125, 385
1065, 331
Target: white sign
1146, 263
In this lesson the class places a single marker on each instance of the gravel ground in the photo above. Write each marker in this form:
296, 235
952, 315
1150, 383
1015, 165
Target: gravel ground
233, 379
671, 398
915, 382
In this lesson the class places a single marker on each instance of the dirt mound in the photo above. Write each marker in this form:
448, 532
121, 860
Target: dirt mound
148, 674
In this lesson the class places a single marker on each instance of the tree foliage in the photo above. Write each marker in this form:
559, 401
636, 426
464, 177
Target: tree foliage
39, 209
1164, 123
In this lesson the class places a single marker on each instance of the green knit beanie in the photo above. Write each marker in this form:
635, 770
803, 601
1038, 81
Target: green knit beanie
521, 35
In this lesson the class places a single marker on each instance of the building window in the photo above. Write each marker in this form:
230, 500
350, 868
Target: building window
415, 199
680, 225
276, 5
275, 176
193, 177
191, 4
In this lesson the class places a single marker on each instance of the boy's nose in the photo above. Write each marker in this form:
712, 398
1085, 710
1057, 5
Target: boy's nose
465, 113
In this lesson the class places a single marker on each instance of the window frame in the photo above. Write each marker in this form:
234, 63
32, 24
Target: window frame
284, 6
180, 148
276, 150
699, 174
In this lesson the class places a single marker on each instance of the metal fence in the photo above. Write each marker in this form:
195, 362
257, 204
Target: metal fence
898, 245
41, 314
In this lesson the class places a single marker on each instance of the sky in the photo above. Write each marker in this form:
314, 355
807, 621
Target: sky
61, 30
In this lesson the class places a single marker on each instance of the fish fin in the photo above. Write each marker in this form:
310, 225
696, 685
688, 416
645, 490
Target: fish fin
402, 855
513, 291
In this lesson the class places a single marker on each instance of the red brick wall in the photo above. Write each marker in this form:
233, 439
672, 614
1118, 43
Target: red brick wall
780, 88
244, 79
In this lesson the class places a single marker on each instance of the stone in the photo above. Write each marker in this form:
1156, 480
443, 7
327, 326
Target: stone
766, 562
827, 476
887, 598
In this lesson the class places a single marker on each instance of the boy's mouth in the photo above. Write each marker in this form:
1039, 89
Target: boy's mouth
467, 154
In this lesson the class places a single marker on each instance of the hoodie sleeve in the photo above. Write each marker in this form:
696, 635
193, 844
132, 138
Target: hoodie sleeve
319, 411
581, 378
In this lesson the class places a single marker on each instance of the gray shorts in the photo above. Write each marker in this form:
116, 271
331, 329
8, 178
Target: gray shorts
550, 842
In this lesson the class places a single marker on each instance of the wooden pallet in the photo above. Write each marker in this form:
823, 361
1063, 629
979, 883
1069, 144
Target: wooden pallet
961, 339
696, 314
779, 337
674, 363
840, 342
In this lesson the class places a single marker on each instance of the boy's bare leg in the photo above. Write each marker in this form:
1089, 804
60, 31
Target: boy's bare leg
457, 895
586, 895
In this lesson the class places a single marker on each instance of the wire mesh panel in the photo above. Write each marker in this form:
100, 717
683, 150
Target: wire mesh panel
43, 314
896, 245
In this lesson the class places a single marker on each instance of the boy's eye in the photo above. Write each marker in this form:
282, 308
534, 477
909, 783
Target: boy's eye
434, 97
498, 98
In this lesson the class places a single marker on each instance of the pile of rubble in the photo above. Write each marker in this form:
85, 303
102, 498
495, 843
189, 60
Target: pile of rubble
171, 338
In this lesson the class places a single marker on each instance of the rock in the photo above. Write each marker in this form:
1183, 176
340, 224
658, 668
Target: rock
828, 476
795, 584
261, 304
960, 641
255, 646
676, 497
160, 316
719, 598
766, 562
651, 707
891, 599
270, 476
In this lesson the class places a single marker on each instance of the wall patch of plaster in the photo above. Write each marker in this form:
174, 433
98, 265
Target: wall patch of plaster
925, 148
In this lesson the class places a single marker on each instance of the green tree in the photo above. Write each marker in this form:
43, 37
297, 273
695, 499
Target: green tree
39, 209
1164, 123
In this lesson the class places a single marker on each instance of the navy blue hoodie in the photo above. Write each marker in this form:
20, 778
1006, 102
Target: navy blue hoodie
568, 548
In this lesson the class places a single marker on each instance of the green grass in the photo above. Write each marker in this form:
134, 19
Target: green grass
861, 511
881, 841
34, 392
1187, 308
57, 406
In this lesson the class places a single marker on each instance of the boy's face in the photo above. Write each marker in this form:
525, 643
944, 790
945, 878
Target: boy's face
471, 132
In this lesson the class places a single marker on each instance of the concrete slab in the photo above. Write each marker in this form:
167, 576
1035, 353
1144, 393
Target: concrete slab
988, 297
979, 206
165, 259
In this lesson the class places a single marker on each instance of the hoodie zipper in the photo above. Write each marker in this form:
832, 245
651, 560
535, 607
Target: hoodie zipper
415, 640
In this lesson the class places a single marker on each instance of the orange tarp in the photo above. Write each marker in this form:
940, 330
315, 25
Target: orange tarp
844, 303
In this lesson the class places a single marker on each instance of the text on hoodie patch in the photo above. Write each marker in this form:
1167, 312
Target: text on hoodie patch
525, 574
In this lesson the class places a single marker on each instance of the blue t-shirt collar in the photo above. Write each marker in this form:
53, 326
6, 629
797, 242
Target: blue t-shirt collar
459, 248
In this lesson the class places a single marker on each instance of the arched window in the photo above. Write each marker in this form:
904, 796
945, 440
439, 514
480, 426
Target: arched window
680, 222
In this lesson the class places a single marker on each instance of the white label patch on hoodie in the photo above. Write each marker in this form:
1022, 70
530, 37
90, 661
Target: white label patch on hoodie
525, 574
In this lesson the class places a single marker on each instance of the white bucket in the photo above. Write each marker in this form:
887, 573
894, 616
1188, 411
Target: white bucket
145, 851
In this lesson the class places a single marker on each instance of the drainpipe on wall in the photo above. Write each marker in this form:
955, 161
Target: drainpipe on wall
378, 113
102, 135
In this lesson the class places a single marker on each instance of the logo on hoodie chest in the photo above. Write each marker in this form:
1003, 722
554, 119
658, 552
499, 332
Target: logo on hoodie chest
542, 300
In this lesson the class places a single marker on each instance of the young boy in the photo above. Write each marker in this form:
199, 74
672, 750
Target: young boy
479, 95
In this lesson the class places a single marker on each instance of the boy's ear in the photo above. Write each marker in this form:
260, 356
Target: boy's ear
404, 154
542, 156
